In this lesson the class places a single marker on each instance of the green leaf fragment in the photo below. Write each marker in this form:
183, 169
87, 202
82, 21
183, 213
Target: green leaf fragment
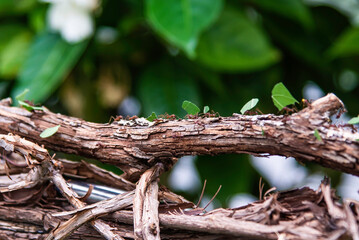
190, 108
205, 109
152, 117
21, 96
281, 96
354, 120
317, 135
29, 107
249, 105
49, 131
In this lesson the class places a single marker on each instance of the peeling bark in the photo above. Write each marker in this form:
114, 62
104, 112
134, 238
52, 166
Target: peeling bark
144, 150
136, 145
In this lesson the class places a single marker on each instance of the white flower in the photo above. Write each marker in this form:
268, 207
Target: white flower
72, 18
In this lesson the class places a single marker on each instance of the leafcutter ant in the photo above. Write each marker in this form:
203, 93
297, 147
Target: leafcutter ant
340, 112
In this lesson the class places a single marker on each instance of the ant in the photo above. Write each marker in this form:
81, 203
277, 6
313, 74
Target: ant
131, 118
253, 112
167, 116
306, 103
190, 116
288, 110
117, 118
340, 112
351, 126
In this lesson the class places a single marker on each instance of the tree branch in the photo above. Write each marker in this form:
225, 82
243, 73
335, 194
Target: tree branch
136, 145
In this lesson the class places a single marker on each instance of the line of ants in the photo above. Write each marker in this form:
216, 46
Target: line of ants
167, 116
285, 110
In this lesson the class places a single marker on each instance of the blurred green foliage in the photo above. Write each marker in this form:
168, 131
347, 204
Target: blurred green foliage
214, 52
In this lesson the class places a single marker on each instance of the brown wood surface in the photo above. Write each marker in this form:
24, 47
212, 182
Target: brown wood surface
134, 146
32, 208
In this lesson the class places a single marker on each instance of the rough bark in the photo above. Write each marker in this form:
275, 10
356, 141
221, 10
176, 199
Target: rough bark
144, 150
136, 145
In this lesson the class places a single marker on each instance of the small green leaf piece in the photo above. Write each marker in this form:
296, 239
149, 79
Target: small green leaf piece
316, 134
21, 96
205, 109
190, 108
152, 117
281, 96
29, 107
49, 131
354, 120
249, 105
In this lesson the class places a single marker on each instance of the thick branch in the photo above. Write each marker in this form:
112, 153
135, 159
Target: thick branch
136, 145
145, 204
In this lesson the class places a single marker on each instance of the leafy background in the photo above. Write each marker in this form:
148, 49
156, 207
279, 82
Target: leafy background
150, 56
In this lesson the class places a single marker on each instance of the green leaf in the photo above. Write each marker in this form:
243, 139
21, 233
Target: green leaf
49, 60
234, 43
21, 96
180, 22
48, 132
205, 109
14, 54
281, 96
163, 87
354, 120
316, 134
190, 107
29, 107
11, 7
295, 10
249, 105
152, 117
346, 45
14, 42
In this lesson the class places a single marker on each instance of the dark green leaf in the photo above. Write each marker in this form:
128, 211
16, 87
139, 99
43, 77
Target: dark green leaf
249, 105
49, 60
205, 109
292, 9
181, 21
190, 107
29, 107
163, 87
234, 43
152, 117
316, 134
347, 44
48, 132
354, 120
282, 97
